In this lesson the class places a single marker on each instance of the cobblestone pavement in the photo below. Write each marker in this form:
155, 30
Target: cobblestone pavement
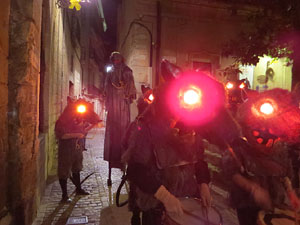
99, 206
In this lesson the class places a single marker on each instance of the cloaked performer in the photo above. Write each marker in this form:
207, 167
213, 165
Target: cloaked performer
120, 91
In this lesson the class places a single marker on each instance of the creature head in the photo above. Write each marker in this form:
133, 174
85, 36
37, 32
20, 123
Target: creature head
190, 96
195, 101
116, 58
80, 110
269, 116
236, 91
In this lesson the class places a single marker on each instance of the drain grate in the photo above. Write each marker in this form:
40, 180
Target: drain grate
77, 220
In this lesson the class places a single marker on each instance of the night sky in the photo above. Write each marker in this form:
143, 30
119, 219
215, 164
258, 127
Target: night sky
110, 14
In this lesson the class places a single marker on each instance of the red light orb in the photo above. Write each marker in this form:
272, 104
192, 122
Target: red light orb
229, 85
267, 108
81, 108
195, 98
151, 97
242, 85
192, 97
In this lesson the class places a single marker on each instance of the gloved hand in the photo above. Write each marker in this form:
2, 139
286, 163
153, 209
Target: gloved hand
205, 194
171, 203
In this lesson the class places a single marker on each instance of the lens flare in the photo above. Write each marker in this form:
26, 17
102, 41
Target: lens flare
267, 108
81, 109
191, 97
195, 98
242, 85
229, 85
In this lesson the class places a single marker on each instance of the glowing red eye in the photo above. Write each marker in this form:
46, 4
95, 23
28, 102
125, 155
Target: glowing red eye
242, 85
229, 85
192, 97
81, 109
255, 133
151, 97
259, 140
267, 108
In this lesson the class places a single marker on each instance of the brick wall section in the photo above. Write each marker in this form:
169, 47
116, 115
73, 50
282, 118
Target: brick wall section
23, 86
4, 21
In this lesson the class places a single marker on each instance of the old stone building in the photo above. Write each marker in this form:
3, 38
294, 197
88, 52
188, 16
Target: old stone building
190, 33
47, 52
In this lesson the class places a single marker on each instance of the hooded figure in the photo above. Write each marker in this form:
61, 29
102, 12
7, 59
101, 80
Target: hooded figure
119, 92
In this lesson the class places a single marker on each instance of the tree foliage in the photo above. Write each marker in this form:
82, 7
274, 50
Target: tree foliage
276, 31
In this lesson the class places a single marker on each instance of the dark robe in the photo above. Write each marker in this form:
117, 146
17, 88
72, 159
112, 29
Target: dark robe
120, 92
160, 157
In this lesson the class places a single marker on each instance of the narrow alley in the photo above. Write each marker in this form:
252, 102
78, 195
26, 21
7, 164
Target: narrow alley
200, 99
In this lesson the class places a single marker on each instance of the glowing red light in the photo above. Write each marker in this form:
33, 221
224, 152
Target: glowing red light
255, 133
259, 140
81, 108
195, 98
229, 85
151, 97
267, 108
191, 97
242, 85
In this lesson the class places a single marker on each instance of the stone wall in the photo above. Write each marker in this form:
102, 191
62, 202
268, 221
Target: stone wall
66, 55
190, 32
62, 54
40, 57
4, 22
23, 98
134, 42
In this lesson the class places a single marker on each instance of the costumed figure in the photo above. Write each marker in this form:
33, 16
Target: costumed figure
143, 102
71, 127
119, 93
258, 166
165, 150
237, 93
